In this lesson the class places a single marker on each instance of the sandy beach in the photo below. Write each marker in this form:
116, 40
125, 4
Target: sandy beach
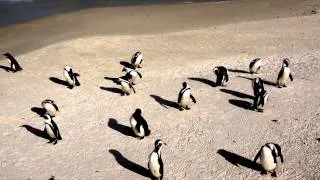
217, 139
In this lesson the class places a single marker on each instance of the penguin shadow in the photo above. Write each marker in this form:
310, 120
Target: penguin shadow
113, 124
318, 139
124, 162
238, 71
239, 160
51, 178
36, 131
111, 89
126, 64
111, 79
8, 69
264, 81
240, 103
59, 81
203, 80
165, 103
40, 111
237, 94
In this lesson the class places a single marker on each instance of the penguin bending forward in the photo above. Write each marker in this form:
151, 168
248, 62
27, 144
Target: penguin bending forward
126, 86
52, 129
131, 74
222, 75
268, 157
139, 124
185, 97
50, 107
255, 65
284, 74
71, 77
155, 163
260, 95
14, 65
136, 59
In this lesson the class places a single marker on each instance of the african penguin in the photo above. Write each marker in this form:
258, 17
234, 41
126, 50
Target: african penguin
126, 86
71, 77
52, 129
155, 163
222, 75
260, 95
139, 124
14, 65
284, 74
132, 74
255, 65
185, 97
261, 101
50, 107
268, 157
136, 59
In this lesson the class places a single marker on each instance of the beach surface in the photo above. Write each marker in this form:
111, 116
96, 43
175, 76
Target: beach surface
217, 139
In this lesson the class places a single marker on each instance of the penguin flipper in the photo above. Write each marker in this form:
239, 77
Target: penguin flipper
193, 99
139, 74
57, 132
257, 156
77, 83
279, 152
280, 73
161, 167
132, 88
274, 155
290, 76
227, 77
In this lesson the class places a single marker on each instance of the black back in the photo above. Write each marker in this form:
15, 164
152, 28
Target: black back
221, 72
56, 130
141, 122
253, 62
257, 85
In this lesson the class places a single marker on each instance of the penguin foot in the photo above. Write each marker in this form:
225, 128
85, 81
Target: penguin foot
263, 172
284, 85
181, 109
70, 87
187, 108
55, 142
274, 174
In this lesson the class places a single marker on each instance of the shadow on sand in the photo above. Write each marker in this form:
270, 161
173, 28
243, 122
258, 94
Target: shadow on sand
203, 80
126, 130
239, 160
8, 69
59, 81
124, 162
238, 71
126, 64
264, 81
40, 111
241, 103
111, 89
165, 103
36, 132
237, 94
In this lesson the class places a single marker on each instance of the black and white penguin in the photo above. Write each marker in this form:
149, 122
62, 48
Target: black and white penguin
185, 97
139, 124
268, 157
132, 74
155, 163
50, 107
136, 59
126, 86
71, 77
260, 95
52, 129
284, 74
255, 65
222, 75
14, 65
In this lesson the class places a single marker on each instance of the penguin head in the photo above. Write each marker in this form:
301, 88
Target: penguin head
158, 143
286, 62
138, 111
255, 60
68, 68
185, 85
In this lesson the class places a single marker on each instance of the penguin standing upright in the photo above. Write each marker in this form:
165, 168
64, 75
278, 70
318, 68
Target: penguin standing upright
14, 65
52, 129
136, 59
255, 65
284, 74
268, 157
222, 75
50, 107
155, 163
260, 95
185, 97
139, 124
71, 77
126, 86
132, 74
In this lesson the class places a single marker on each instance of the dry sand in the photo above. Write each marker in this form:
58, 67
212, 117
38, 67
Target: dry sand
201, 141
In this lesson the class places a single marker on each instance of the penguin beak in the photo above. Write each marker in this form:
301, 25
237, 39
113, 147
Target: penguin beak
165, 143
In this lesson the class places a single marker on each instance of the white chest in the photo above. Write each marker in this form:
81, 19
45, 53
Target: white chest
267, 161
68, 78
154, 165
50, 131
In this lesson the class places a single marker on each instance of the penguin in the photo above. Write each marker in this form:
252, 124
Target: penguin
50, 107
132, 74
185, 96
126, 86
255, 65
14, 65
268, 157
52, 129
136, 59
222, 75
284, 74
155, 163
70, 77
139, 124
260, 95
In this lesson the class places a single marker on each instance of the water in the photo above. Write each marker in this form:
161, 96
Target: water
14, 11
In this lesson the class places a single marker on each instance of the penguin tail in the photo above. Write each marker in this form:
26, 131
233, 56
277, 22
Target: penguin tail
77, 83
148, 132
